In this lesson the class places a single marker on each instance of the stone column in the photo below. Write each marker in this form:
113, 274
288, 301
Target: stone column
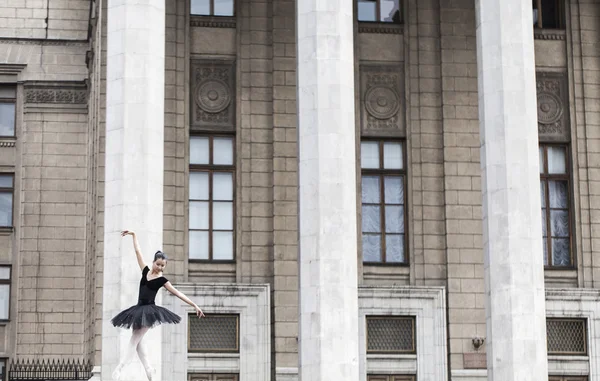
514, 270
134, 167
328, 323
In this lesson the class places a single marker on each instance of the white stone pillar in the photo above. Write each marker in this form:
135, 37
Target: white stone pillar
134, 167
328, 337
514, 269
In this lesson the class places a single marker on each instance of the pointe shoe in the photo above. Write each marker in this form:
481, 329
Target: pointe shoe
150, 372
116, 375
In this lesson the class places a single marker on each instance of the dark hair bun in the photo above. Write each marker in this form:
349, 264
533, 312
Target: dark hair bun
160, 255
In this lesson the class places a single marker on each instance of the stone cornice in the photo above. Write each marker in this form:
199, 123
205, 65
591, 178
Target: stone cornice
213, 22
42, 41
549, 34
7, 143
55, 93
380, 28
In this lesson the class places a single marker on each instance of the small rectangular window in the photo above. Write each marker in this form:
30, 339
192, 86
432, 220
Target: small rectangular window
214, 333
555, 195
5, 284
387, 11
548, 14
391, 334
212, 198
373, 377
383, 202
566, 336
6, 200
7, 111
213, 7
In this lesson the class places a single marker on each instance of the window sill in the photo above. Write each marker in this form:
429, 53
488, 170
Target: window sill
213, 21
380, 27
7, 141
6, 230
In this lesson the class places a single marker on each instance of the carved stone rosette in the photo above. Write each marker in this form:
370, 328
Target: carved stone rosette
382, 100
552, 107
212, 95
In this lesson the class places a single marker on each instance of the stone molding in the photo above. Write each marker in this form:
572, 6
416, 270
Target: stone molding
382, 103
549, 35
380, 28
55, 93
428, 305
576, 303
213, 22
42, 41
251, 302
8, 143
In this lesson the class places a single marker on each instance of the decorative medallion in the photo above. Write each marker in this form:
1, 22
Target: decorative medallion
550, 108
382, 109
213, 96
382, 102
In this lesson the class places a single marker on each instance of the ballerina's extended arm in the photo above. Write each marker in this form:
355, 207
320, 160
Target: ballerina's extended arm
136, 246
181, 296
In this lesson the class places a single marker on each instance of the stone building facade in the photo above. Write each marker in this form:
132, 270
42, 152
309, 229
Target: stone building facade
228, 199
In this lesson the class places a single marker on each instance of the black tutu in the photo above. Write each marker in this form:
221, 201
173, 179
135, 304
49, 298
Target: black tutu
144, 315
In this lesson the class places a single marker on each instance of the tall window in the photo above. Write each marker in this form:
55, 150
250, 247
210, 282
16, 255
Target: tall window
211, 200
555, 195
383, 202
5, 274
548, 14
7, 111
3, 369
379, 11
212, 7
6, 200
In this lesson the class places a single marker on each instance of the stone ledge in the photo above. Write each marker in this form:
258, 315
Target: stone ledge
8, 142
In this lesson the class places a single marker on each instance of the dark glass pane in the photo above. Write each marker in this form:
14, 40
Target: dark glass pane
394, 248
551, 17
371, 245
561, 255
543, 193
559, 195
367, 10
7, 119
371, 219
544, 223
545, 248
370, 190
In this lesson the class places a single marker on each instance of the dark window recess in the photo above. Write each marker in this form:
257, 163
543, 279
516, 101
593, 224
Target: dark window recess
391, 334
566, 336
215, 333
548, 14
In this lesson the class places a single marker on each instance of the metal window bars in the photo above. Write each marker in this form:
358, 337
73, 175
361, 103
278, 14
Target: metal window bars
46, 370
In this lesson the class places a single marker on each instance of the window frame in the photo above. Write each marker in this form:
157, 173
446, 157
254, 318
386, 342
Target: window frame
560, 10
10, 190
547, 177
378, 14
381, 173
212, 10
9, 283
211, 168
13, 101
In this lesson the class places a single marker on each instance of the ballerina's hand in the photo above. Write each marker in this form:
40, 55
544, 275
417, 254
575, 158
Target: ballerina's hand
127, 232
199, 312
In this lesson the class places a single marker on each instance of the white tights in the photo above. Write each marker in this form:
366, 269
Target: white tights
135, 345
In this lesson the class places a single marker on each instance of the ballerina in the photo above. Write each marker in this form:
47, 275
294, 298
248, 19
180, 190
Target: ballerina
145, 314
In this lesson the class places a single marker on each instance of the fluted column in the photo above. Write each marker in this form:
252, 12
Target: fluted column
328, 342
134, 166
514, 269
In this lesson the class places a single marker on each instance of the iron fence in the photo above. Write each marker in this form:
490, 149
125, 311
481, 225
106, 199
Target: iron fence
49, 370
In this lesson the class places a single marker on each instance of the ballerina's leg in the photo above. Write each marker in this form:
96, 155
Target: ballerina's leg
143, 355
136, 337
